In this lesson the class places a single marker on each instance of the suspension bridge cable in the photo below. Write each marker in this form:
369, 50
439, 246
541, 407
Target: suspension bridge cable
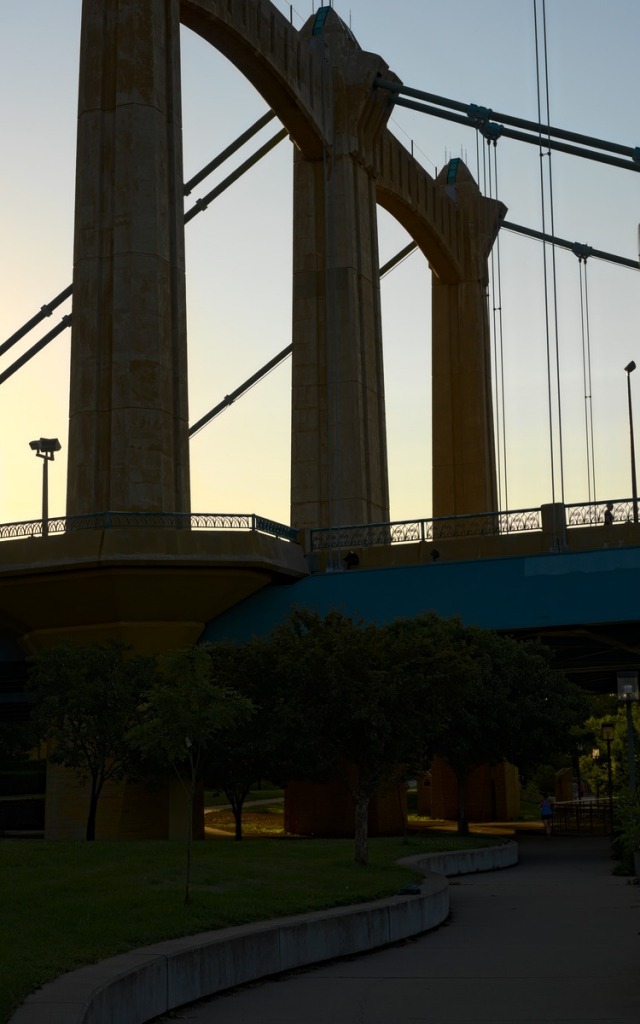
39, 345
229, 151
586, 375
487, 190
256, 127
500, 340
399, 258
244, 387
228, 400
202, 204
509, 133
561, 243
45, 311
477, 114
589, 381
554, 277
281, 356
545, 270
574, 247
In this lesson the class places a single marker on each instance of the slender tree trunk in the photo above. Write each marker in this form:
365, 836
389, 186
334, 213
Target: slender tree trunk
463, 820
236, 807
192, 801
96, 787
362, 829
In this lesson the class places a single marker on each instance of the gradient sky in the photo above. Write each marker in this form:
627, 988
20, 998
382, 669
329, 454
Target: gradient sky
239, 251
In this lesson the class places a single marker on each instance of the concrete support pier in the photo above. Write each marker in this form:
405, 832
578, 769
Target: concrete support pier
339, 468
128, 423
464, 463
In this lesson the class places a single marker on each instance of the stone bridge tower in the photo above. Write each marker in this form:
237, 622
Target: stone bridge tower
128, 420
128, 433
339, 454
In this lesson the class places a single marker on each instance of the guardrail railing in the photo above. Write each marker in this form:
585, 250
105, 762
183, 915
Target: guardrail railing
586, 816
156, 520
487, 524
595, 513
409, 531
602, 514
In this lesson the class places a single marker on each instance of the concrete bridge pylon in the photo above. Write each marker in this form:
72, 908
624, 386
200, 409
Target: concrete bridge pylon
339, 468
128, 414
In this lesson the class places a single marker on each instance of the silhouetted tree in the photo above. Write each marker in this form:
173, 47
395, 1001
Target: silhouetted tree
506, 704
185, 711
86, 699
274, 742
366, 695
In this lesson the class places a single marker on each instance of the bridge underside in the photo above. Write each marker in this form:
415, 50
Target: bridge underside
584, 605
591, 655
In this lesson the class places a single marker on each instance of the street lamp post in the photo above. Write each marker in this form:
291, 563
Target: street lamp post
45, 449
629, 368
607, 732
627, 694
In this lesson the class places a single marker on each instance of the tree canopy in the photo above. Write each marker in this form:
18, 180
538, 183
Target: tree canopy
184, 711
86, 700
368, 697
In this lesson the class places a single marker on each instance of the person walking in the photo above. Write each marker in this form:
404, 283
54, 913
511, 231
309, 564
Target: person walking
546, 813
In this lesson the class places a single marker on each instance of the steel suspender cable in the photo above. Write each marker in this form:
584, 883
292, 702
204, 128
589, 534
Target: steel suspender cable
586, 375
487, 190
45, 311
548, 311
271, 365
200, 206
494, 334
556, 329
564, 243
589, 379
39, 345
229, 151
490, 188
246, 386
499, 342
471, 115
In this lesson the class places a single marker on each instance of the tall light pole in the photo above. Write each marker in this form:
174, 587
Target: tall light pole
45, 449
628, 693
629, 368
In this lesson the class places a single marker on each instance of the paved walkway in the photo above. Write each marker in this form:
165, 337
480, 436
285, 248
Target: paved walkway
556, 939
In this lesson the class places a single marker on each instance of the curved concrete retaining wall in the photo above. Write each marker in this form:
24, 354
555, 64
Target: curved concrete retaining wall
137, 986
465, 862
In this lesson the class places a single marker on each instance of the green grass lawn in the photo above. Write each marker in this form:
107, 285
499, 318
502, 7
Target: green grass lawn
69, 904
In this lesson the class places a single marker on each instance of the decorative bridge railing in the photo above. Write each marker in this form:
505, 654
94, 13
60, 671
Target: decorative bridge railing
148, 520
595, 514
602, 514
487, 524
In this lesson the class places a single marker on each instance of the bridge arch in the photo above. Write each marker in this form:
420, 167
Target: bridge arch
266, 49
286, 68
409, 193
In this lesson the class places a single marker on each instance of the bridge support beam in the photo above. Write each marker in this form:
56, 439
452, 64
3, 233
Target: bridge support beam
128, 428
464, 464
339, 469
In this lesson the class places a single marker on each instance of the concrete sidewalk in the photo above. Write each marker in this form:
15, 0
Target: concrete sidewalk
555, 939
